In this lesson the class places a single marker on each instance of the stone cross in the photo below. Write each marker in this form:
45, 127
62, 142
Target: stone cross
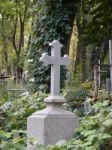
55, 60
50, 125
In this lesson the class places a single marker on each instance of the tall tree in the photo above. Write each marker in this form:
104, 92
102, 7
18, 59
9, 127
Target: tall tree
53, 20
15, 16
19, 19
94, 30
5, 31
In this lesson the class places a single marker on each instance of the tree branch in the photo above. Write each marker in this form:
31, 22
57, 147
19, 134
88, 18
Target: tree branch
14, 37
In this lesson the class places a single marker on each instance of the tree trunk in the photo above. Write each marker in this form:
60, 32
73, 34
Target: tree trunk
83, 78
81, 21
18, 69
18, 45
4, 40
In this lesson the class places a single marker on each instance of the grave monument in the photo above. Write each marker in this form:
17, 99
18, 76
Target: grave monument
54, 122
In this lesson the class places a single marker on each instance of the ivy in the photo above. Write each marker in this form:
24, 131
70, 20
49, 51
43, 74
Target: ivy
53, 20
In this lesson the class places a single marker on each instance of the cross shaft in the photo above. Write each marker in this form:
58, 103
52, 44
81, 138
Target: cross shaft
55, 60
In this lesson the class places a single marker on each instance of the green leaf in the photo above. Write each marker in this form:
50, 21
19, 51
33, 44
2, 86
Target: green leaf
106, 136
108, 123
87, 133
5, 134
91, 138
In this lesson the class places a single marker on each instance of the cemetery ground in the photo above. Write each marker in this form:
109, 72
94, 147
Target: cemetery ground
94, 132
84, 27
92, 106
94, 110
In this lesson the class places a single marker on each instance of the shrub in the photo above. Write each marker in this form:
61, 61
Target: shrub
94, 133
13, 119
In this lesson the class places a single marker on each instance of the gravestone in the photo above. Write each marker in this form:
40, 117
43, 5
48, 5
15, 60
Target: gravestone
87, 106
108, 84
15, 89
54, 122
109, 80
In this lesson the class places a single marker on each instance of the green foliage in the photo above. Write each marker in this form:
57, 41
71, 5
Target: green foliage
98, 27
104, 94
53, 20
14, 140
3, 92
76, 96
94, 31
94, 133
13, 119
87, 86
75, 101
7, 7
15, 21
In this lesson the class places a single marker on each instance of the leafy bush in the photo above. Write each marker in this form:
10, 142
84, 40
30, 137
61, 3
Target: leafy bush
94, 133
3, 92
75, 101
13, 119
14, 140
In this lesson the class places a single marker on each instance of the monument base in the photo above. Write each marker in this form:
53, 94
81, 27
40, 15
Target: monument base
51, 124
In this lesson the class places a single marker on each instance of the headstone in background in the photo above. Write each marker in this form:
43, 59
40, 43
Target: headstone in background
54, 122
87, 106
108, 84
15, 89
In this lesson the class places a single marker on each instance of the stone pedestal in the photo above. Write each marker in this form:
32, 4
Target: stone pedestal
52, 123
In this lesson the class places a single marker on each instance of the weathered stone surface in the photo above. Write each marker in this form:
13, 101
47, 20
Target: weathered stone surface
55, 60
108, 84
51, 125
